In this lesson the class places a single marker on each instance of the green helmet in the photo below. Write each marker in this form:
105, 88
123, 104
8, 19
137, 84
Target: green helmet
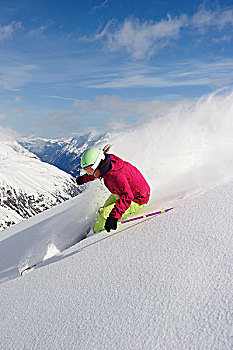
92, 157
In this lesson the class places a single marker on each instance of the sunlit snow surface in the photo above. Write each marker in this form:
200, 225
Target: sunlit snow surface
165, 283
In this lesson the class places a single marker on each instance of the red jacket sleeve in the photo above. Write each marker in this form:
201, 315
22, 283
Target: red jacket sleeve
87, 178
126, 197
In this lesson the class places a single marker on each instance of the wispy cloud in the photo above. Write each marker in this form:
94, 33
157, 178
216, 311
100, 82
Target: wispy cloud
145, 38
205, 19
141, 39
187, 73
106, 112
100, 6
100, 34
13, 77
63, 98
223, 39
8, 31
7, 134
60, 121
113, 108
37, 32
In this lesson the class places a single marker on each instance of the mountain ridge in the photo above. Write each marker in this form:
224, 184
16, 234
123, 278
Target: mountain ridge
28, 185
64, 153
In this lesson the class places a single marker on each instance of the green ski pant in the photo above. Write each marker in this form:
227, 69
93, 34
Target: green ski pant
104, 211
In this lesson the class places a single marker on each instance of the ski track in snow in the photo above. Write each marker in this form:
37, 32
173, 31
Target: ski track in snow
162, 284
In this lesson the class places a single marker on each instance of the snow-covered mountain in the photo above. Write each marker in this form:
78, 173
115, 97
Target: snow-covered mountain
28, 185
63, 153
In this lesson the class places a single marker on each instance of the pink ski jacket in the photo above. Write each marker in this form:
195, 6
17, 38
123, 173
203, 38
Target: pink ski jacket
127, 182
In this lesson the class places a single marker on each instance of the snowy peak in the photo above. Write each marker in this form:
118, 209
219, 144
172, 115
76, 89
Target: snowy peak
64, 153
12, 149
29, 186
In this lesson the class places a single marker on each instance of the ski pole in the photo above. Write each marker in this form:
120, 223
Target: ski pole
146, 216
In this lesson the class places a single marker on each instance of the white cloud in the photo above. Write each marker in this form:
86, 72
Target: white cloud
145, 38
100, 6
100, 34
139, 38
60, 121
105, 112
224, 38
62, 98
187, 73
113, 110
7, 134
37, 32
13, 77
142, 39
8, 31
205, 19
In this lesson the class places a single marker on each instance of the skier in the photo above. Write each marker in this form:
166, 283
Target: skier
129, 190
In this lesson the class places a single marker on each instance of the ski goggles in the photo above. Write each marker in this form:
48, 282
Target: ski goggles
89, 170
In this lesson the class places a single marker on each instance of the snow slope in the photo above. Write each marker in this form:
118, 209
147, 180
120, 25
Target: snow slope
29, 186
165, 283
49, 232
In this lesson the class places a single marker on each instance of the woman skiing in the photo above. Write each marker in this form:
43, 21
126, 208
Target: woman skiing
129, 190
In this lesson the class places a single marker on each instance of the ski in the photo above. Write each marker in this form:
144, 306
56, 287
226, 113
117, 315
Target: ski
146, 216
28, 269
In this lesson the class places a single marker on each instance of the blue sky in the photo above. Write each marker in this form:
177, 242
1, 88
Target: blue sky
71, 67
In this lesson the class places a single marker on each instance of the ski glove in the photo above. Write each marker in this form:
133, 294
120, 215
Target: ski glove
79, 180
110, 224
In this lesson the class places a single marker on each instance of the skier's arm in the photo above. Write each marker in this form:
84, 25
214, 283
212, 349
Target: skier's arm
84, 179
126, 197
